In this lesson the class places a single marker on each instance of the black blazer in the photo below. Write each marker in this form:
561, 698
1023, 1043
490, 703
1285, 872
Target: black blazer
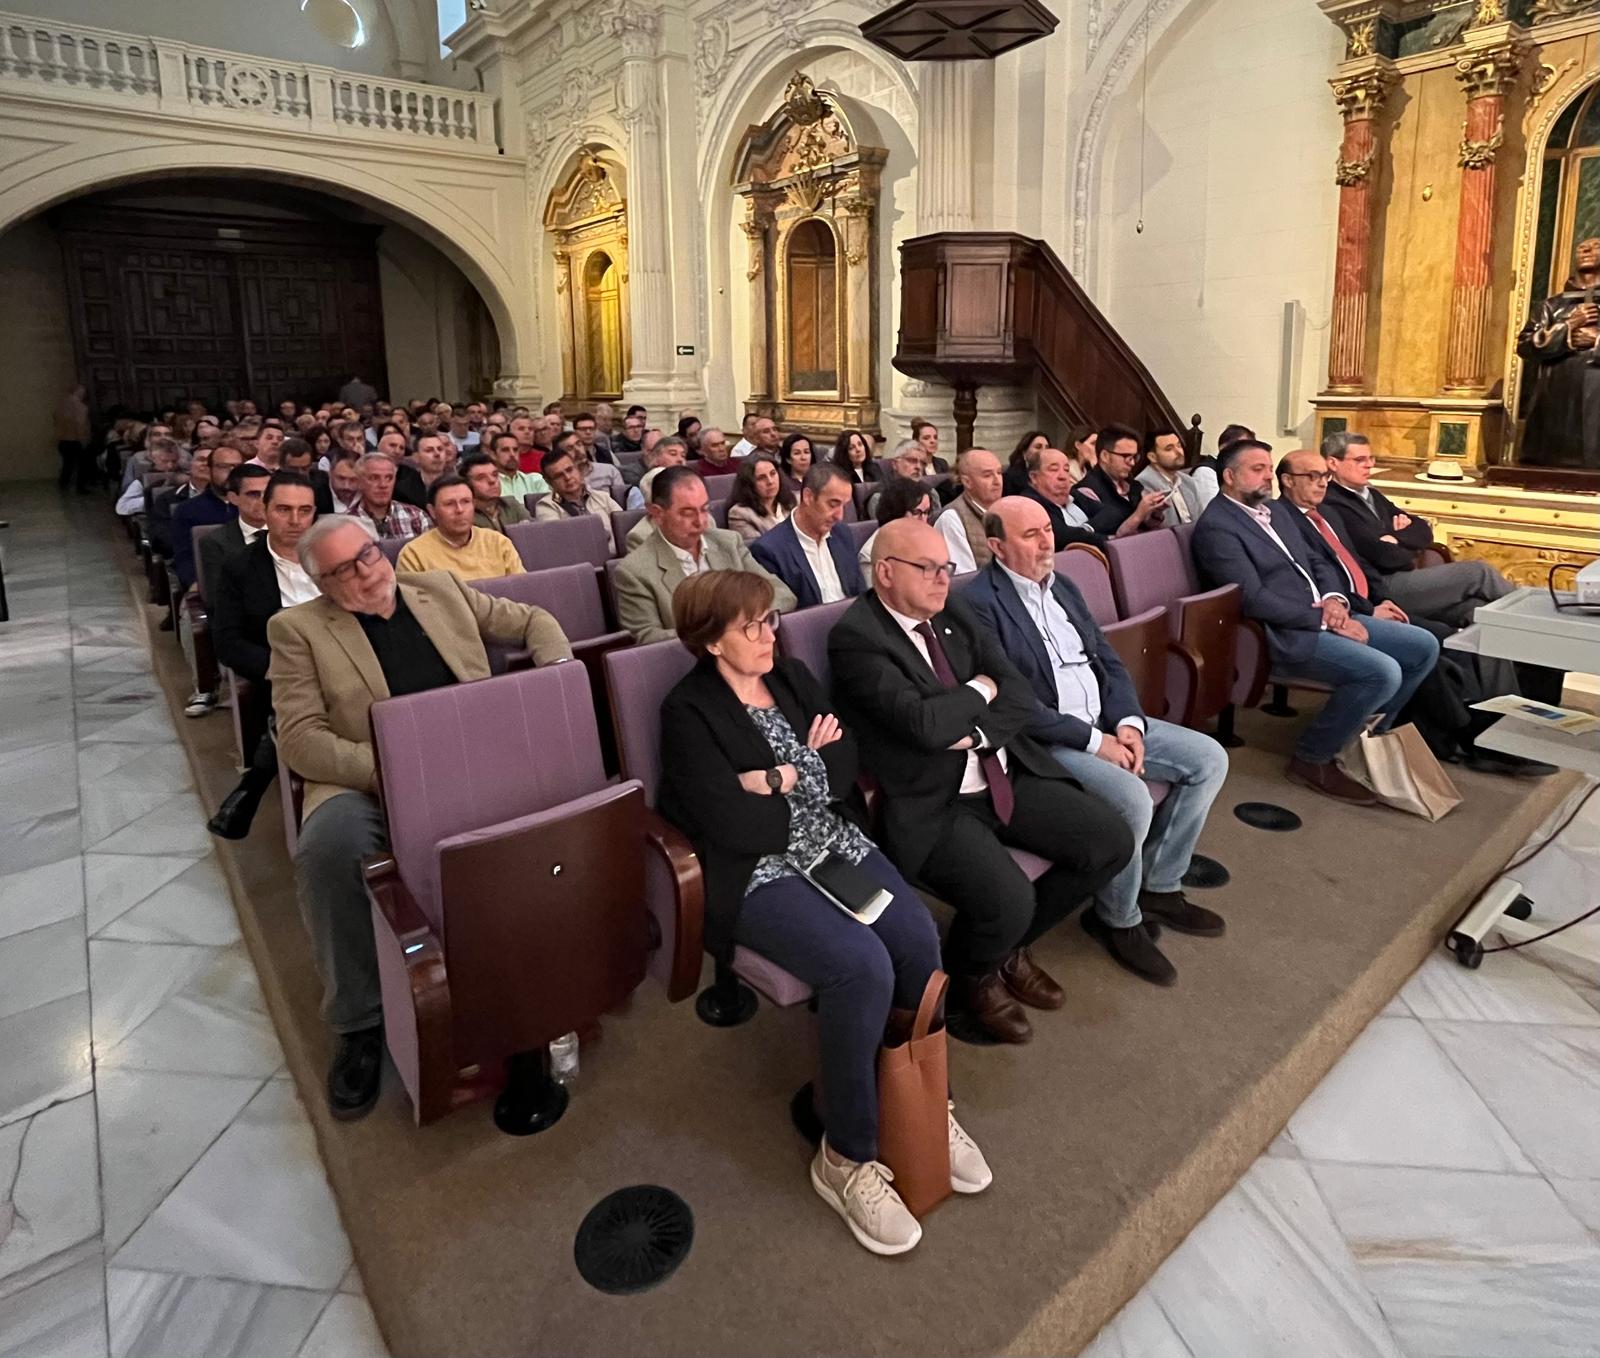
1107, 509
321, 490
215, 548
246, 590
1065, 532
707, 741
906, 720
408, 488
1362, 528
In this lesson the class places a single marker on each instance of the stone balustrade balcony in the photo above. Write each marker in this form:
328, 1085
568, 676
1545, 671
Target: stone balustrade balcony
100, 67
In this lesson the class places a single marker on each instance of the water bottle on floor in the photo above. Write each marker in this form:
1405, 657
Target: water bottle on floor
564, 1059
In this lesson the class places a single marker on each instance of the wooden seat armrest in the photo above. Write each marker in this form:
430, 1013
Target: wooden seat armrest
398, 906
590, 649
689, 903
1193, 666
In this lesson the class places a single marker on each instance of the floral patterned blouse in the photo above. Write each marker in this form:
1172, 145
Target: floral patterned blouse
814, 826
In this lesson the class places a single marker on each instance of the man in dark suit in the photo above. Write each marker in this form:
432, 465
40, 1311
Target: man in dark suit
1087, 711
247, 492
804, 551
1115, 503
250, 587
1439, 706
1246, 538
158, 513
942, 715
296, 456
1387, 540
1050, 485
198, 510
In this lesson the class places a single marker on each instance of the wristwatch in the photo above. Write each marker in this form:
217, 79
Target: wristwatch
775, 780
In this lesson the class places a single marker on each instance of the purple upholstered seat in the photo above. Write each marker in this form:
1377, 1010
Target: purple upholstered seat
639, 680
721, 486
1089, 574
804, 637
622, 522
563, 542
570, 594
860, 530
392, 547
718, 510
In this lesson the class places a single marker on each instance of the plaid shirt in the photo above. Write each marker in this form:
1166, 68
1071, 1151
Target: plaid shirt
403, 521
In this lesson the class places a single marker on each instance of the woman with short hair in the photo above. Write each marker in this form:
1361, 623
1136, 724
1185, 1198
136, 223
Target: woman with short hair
902, 498
759, 774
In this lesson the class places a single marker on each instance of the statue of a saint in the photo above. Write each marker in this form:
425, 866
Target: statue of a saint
1563, 427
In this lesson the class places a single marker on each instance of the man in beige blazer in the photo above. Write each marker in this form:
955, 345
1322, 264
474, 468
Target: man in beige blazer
683, 544
368, 637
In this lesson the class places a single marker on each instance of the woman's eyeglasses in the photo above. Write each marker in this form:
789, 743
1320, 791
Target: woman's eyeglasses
928, 569
752, 629
920, 512
369, 555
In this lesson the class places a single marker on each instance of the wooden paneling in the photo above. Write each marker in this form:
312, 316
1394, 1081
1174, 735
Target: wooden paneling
169, 305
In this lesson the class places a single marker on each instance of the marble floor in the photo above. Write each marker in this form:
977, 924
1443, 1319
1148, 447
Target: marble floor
1438, 1196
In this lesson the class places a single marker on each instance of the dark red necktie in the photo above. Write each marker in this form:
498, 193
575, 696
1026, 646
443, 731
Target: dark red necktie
994, 774
1358, 577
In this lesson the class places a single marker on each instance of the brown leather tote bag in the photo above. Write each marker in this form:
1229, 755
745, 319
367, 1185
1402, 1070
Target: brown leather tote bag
913, 1105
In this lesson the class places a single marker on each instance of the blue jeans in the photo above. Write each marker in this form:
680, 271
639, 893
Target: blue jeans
857, 972
1379, 676
1163, 836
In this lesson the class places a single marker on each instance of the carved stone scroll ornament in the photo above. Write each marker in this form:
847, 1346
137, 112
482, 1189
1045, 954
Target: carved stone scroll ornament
1361, 96
1350, 172
563, 272
1492, 71
755, 233
1478, 155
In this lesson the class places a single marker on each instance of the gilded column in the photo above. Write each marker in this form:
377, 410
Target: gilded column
757, 228
1360, 98
854, 215
1485, 75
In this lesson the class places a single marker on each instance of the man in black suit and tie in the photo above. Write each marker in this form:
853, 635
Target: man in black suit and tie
1387, 540
940, 713
250, 587
1374, 665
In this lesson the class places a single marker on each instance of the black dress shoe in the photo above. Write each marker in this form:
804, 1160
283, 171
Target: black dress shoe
1177, 911
356, 1074
1512, 766
1131, 949
237, 811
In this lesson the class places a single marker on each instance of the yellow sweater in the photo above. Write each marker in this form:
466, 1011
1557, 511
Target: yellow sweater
487, 554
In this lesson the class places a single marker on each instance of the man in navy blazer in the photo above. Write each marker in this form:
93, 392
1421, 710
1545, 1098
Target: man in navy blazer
803, 551
1087, 711
1373, 665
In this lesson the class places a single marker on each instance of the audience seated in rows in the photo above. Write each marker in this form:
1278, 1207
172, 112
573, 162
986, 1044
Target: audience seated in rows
900, 498
716, 459
158, 514
759, 773
490, 509
571, 497
514, 482
1087, 712
389, 517
455, 543
671, 451
1050, 484
162, 470
681, 543
1164, 474
852, 454
368, 636
817, 563
925, 434
942, 717
760, 499
1246, 538
796, 456
1114, 502
603, 478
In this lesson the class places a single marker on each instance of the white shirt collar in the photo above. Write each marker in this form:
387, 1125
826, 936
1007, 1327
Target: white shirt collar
907, 625
251, 534
1022, 581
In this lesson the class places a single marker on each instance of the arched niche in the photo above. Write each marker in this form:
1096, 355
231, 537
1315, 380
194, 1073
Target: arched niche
587, 220
810, 194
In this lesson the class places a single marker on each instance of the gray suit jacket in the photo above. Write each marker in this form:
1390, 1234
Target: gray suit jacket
1193, 498
649, 575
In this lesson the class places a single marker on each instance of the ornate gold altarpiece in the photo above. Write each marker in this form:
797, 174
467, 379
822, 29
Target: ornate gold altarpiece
1447, 109
587, 218
805, 164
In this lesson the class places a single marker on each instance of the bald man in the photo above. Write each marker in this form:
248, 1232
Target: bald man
982, 479
942, 718
1086, 710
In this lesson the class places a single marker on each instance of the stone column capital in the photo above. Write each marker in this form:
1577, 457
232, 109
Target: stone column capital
1491, 70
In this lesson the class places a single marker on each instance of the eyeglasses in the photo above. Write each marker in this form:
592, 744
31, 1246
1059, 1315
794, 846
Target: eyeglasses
1317, 478
928, 569
921, 512
752, 629
368, 556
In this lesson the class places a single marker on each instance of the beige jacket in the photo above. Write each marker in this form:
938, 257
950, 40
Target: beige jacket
325, 676
649, 575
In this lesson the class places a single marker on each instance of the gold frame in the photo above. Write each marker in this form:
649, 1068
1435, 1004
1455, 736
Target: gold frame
586, 215
785, 303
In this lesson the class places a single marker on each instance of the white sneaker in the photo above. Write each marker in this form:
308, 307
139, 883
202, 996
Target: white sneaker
969, 1171
860, 1193
199, 704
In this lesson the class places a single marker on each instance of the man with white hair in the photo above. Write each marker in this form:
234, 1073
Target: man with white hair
368, 637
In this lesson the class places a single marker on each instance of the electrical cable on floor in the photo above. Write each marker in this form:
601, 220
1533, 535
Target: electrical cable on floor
1528, 857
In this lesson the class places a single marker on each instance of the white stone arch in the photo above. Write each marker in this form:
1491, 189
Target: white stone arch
761, 73
73, 168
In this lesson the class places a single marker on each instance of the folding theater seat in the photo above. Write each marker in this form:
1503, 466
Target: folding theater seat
562, 542
510, 909
639, 680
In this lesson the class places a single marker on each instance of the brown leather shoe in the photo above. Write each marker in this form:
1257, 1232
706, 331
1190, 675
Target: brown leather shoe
1131, 949
1176, 911
1030, 982
989, 1005
1331, 781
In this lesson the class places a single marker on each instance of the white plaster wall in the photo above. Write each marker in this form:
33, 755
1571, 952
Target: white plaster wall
35, 349
428, 314
1239, 210
402, 35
